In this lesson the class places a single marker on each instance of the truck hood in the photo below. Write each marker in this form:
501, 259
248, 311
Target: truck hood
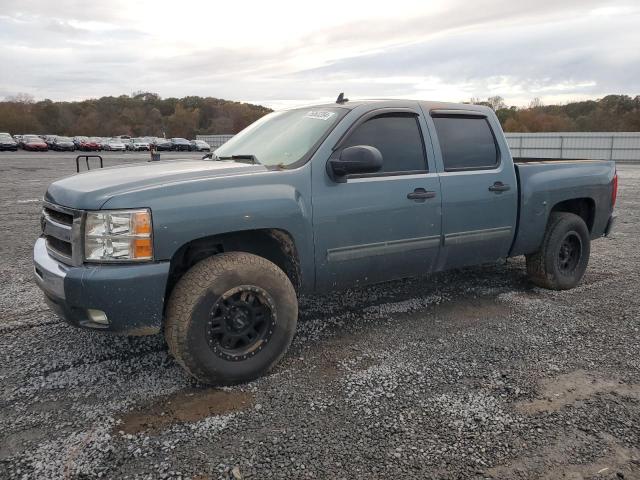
90, 190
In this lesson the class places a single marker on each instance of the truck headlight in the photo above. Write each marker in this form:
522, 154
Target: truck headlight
118, 236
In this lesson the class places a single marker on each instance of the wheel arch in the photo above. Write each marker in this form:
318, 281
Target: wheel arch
584, 207
274, 244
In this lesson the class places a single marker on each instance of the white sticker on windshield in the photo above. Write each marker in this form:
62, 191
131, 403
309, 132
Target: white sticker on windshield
319, 115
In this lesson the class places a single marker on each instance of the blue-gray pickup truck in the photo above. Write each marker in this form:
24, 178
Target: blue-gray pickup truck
214, 252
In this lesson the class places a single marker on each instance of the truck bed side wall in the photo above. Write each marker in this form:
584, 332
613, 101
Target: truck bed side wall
544, 185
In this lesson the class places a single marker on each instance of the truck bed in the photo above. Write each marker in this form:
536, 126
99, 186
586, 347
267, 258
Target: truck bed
544, 183
553, 160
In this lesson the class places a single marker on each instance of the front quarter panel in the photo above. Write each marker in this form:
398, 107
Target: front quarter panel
186, 211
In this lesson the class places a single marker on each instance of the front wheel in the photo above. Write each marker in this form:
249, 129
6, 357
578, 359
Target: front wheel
563, 257
231, 318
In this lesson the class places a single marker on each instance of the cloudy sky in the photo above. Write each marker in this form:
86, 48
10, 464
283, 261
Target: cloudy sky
281, 53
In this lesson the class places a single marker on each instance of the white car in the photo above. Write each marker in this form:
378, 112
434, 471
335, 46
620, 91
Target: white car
137, 144
114, 144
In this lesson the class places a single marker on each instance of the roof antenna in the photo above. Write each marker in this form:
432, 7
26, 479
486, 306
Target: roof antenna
341, 99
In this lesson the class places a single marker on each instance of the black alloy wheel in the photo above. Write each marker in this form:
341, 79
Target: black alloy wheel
569, 253
241, 323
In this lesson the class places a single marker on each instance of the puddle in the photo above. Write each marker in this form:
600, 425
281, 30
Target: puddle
573, 387
184, 407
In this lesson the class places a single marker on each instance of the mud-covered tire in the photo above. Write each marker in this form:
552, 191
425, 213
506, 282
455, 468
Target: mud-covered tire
196, 300
563, 257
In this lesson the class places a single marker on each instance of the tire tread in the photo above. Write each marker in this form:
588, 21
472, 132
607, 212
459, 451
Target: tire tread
185, 296
536, 262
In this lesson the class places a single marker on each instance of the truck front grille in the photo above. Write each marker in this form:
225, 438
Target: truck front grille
60, 217
61, 230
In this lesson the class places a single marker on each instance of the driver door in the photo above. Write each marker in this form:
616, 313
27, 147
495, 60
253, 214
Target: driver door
384, 225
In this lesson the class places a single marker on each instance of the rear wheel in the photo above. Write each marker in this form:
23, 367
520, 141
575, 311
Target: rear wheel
564, 254
231, 318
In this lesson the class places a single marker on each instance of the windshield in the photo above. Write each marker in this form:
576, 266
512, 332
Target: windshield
282, 138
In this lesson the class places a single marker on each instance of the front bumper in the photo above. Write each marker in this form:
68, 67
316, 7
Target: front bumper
131, 296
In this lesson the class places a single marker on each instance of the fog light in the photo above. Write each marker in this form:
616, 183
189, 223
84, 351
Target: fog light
98, 316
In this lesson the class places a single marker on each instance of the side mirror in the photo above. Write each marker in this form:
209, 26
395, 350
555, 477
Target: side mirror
208, 155
354, 160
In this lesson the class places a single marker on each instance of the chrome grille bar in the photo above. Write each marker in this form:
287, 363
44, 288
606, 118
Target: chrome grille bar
62, 230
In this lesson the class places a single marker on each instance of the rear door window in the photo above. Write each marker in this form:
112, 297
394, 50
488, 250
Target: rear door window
467, 143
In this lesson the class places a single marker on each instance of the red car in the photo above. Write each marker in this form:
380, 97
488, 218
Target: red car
34, 144
90, 145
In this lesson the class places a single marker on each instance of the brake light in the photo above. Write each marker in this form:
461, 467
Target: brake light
614, 190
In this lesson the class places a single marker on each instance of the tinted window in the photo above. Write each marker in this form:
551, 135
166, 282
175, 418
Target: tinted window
398, 139
466, 142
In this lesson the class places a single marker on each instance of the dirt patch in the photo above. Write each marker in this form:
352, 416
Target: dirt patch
184, 407
558, 461
11, 444
573, 387
469, 312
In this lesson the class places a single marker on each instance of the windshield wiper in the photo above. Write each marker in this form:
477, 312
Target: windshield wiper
241, 157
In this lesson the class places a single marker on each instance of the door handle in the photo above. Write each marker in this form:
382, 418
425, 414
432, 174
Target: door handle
420, 194
499, 187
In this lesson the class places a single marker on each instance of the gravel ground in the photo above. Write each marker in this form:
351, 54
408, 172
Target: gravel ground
469, 374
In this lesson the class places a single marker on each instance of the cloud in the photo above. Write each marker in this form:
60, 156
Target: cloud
448, 50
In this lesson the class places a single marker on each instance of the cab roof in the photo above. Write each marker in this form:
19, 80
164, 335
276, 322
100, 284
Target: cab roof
426, 105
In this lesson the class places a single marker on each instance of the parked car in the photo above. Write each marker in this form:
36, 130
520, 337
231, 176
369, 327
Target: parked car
308, 200
162, 144
49, 139
8, 143
137, 144
34, 143
91, 144
27, 136
180, 145
124, 139
78, 140
200, 146
114, 144
63, 144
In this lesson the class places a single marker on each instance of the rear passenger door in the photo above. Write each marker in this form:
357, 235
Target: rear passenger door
479, 190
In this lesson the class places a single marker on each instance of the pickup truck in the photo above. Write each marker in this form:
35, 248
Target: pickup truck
215, 252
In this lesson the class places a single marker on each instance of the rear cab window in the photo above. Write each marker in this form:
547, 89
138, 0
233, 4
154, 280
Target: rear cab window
466, 142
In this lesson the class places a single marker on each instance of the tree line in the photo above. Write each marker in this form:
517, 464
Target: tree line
613, 113
144, 113
139, 114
